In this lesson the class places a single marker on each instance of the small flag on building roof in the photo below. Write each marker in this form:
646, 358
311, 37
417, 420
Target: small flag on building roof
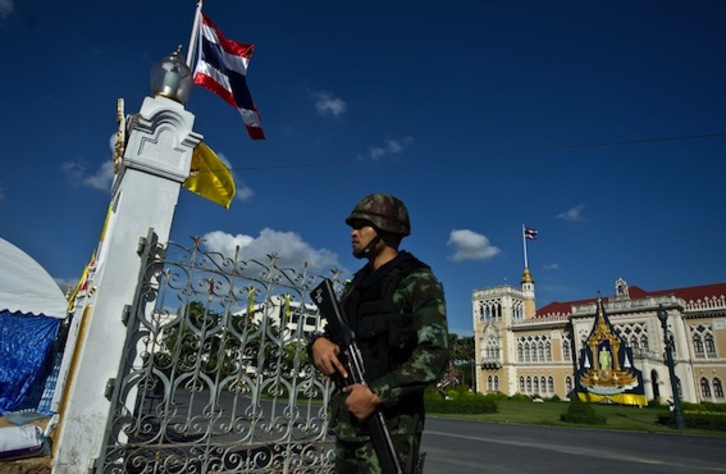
530, 233
222, 68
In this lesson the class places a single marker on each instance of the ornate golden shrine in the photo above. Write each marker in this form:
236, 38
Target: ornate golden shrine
606, 371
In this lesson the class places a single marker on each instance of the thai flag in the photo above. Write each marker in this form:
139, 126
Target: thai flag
530, 233
222, 68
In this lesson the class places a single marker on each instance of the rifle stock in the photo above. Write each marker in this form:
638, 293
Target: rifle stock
324, 297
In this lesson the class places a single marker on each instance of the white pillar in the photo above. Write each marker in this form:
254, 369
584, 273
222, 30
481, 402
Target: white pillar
683, 356
144, 195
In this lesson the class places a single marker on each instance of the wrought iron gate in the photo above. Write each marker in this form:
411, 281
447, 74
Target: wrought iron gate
216, 376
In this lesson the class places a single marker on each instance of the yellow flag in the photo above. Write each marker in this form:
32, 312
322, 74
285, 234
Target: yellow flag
82, 283
288, 312
209, 177
251, 303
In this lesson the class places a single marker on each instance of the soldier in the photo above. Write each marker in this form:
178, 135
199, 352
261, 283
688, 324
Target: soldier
395, 306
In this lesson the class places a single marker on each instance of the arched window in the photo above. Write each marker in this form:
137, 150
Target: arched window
521, 385
644, 342
551, 385
536, 385
520, 353
490, 384
717, 388
541, 352
543, 384
698, 346
527, 355
496, 383
529, 384
568, 384
710, 346
566, 350
705, 388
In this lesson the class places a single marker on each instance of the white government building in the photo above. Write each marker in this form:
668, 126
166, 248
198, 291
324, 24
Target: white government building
522, 349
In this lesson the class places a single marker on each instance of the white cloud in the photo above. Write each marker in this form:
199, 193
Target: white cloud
552, 266
66, 283
291, 250
76, 173
111, 140
102, 179
573, 214
328, 105
6, 8
243, 192
469, 245
390, 147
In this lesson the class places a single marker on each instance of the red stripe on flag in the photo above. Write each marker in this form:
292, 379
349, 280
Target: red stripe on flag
232, 47
214, 86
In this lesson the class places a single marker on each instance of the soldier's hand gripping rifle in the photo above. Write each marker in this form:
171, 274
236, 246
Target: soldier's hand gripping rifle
324, 297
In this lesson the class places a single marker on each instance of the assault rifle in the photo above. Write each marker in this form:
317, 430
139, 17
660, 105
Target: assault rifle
324, 297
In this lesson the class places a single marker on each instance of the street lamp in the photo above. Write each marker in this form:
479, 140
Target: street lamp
172, 78
677, 414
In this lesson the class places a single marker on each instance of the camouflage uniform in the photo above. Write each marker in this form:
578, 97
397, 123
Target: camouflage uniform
420, 294
419, 299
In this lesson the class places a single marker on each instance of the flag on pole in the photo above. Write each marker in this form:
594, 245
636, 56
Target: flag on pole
530, 233
288, 311
222, 68
251, 303
209, 177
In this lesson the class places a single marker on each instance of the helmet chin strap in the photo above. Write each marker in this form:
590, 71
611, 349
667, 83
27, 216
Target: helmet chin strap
367, 249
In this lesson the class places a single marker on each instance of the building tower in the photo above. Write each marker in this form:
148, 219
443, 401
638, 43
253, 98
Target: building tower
530, 307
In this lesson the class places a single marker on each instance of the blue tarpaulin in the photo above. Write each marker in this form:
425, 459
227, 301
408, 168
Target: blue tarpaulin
26, 359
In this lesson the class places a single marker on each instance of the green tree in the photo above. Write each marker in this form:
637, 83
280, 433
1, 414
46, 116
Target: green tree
243, 346
461, 362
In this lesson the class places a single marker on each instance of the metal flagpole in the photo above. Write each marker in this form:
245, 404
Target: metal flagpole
524, 246
195, 32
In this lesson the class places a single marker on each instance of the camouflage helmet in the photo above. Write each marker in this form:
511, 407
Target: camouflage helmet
387, 213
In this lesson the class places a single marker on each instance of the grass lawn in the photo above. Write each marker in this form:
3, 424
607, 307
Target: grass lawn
548, 413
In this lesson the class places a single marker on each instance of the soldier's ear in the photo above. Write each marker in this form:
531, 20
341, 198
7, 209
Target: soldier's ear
392, 240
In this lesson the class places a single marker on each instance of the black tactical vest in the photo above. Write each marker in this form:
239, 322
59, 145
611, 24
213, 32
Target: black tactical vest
386, 335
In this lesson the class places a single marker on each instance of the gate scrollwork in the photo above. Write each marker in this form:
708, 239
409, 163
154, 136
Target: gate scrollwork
216, 376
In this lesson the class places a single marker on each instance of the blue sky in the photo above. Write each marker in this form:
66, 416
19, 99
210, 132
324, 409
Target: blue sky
601, 124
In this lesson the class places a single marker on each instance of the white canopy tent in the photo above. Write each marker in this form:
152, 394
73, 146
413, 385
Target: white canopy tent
30, 365
26, 287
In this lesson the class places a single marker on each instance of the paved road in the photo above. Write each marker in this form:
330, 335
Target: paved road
464, 447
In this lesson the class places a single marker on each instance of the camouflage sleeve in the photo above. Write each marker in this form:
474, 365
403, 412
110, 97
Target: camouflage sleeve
423, 293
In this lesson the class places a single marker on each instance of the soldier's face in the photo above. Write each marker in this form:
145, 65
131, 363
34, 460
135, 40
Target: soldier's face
361, 234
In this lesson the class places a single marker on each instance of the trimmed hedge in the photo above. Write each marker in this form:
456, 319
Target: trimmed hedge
705, 416
582, 413
704, 406
698, 419
460, 400
520, 397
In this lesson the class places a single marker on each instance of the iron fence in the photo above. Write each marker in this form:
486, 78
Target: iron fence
216, 376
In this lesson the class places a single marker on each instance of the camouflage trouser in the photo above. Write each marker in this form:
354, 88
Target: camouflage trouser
360, 457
